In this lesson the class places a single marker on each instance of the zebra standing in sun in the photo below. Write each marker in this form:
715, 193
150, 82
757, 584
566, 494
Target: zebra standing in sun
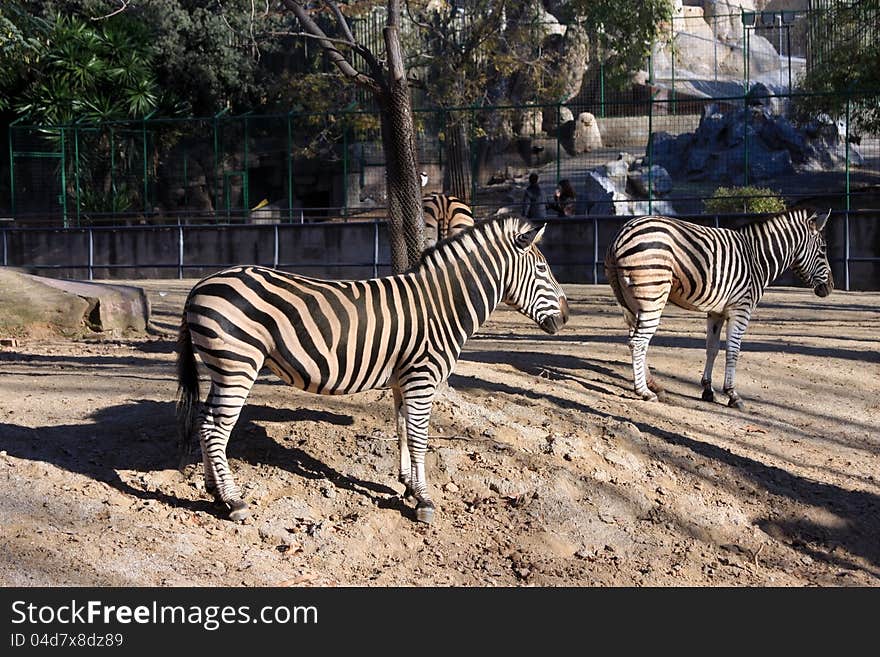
337, 337
445, 217
718, 271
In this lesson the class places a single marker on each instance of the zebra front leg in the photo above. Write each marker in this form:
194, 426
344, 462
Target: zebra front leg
418, 413
221, 412
713, 342
737, 324
405, 473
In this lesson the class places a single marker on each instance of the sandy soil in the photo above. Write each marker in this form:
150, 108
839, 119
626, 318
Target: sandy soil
547, 470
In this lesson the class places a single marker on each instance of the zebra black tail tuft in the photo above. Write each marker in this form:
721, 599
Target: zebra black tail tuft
187, 393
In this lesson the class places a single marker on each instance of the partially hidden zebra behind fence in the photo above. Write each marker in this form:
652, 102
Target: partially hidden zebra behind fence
718, 271
445, 217
337, 337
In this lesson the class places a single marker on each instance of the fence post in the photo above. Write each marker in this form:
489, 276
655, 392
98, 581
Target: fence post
275, 250
650, 151
375, 248
91, 254
345, 164
76, 168
558, 134
473, 146
846, 243
180, 252
289, 171
715, 43
5, 262
595, 250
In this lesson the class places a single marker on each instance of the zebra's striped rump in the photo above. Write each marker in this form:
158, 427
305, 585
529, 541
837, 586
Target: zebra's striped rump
338, 337
723, 273
445, 217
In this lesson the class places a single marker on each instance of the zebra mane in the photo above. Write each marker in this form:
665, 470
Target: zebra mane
483, 226
805, 212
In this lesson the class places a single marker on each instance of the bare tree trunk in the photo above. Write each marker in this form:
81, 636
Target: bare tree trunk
406, 225
405, 216
458, 168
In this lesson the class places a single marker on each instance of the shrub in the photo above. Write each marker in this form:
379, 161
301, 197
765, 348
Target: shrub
750, 199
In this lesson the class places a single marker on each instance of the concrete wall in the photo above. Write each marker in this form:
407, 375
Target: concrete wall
350, 250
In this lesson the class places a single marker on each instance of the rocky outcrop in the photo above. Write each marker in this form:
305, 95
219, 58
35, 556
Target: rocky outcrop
622, 186
769, 143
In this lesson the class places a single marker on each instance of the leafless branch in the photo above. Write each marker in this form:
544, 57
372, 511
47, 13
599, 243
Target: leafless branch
340, 19
123, 5
373, 82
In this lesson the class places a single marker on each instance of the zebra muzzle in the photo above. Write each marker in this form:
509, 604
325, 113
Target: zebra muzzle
553, 323
822, 290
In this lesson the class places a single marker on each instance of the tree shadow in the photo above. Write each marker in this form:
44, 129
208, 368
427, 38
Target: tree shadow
141, 436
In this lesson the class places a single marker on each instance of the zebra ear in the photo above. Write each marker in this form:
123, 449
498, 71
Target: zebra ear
533, 236
819, 222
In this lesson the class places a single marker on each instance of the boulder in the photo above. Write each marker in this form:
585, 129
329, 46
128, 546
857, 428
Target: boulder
30, 302
580, 135
642, 177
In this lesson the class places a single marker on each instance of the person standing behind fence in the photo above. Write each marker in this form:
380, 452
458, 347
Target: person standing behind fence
565, 199
534, 205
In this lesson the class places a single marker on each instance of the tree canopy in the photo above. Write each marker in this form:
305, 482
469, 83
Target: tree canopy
846, 62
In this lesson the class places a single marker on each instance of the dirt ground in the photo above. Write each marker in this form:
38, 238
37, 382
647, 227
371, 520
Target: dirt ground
546, 469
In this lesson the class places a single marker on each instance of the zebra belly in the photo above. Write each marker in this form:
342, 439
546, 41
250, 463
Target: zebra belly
295, 375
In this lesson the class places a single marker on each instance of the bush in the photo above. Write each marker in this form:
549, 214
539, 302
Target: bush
758, 200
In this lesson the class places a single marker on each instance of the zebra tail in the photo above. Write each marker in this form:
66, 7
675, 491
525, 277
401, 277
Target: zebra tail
187, 393
612, 274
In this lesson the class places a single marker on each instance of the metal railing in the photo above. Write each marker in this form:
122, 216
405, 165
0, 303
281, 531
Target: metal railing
575, 247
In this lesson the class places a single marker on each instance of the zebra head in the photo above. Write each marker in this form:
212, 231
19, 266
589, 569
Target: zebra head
532, 288
811, 260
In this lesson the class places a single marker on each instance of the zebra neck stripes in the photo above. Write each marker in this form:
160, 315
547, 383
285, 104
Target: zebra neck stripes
773, 244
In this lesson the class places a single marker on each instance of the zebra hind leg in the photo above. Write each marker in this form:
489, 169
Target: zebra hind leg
222, 408
640, 337
736, 328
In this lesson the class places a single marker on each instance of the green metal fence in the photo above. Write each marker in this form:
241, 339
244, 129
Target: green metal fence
655, 153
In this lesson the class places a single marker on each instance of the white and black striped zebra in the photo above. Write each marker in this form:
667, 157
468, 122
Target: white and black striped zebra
445, 217
718, 271
337, 337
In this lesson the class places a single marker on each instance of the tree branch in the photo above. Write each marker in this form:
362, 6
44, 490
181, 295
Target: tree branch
123, 6
338, 59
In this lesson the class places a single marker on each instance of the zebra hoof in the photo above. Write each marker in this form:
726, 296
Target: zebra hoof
425, 512
650, 396
737, 404
238, 510
708, 396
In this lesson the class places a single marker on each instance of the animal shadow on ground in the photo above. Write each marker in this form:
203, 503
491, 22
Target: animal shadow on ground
141, 436
859, 510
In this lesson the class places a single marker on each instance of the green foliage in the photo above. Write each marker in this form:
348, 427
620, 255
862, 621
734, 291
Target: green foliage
750, 199
87, 70
623, 30
846, 61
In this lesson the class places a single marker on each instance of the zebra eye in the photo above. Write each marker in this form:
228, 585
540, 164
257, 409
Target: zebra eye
541, 267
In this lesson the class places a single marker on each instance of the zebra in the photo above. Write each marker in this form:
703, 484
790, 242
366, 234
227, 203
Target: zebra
721, 272
404, 331
445, 216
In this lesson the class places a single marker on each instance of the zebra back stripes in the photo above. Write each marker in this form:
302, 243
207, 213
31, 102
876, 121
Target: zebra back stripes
445, 216
721, 272
337, 337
